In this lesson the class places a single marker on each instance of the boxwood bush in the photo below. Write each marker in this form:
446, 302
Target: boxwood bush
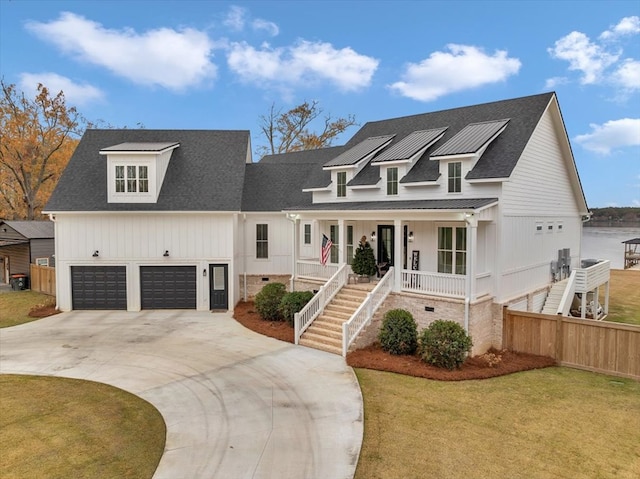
267, 301
444, 344
293, 302
399, 332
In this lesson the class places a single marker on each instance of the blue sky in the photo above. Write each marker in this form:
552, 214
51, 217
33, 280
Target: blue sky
221, 65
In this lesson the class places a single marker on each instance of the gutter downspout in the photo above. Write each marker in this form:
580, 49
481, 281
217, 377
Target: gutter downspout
244, 257
294, 220
55, 252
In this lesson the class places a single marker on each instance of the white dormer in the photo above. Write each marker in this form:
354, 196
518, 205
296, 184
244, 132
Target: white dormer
135, 171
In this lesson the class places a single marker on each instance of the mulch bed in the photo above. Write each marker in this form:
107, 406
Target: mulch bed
373, 357
43, 311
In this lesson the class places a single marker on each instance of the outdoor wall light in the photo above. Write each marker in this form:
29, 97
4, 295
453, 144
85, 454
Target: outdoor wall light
166, 253
373, 236
204, 272
95, 254
410, 237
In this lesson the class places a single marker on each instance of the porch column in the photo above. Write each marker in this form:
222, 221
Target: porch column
472, 241
342, 240
397, 254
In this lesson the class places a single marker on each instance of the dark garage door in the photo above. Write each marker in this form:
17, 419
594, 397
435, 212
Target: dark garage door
99, 287
168, 287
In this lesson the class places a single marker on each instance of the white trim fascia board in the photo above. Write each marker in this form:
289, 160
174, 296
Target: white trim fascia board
311, 190
488, 180
465, 156
341, 167
384, 215
127, 152
375, 186
138, 212
420, 183
391, 163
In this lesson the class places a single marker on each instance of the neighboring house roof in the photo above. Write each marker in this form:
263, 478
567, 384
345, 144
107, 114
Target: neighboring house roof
31, 229
206, 171
454, 204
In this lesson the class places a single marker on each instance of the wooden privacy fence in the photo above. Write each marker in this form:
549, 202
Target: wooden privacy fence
42, 279
604, 347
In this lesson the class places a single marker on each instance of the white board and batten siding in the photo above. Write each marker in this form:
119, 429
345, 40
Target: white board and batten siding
540, 212
280, 244
135, 240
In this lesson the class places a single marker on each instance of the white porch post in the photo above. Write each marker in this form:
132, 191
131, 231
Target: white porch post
342, 240
470, 279
397, 254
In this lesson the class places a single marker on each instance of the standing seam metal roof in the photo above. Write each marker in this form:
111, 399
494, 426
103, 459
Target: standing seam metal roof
360, 151
409, 145
470, 139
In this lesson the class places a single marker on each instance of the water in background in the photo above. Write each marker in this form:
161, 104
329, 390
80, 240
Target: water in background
606, 243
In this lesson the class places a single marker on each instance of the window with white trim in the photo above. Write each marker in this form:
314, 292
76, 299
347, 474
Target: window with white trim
307, 233
342, 184
455, 177
42, 261
335, 239
349, 244
452, 250
135, 178
392, 181
262, 241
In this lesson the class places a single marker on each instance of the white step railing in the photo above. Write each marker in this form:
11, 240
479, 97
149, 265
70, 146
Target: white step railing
587, 279
313, 269
363, 315
567, 297
315, 307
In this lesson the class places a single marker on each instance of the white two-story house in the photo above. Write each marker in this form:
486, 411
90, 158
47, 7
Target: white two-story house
466, 208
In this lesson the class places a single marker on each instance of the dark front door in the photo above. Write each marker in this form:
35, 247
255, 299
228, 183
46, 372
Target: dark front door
168, 287
385, 244
218, 286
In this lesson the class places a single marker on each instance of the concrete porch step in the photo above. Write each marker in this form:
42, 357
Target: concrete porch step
321, 346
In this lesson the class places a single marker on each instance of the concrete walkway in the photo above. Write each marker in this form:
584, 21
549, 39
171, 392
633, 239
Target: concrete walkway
236, 404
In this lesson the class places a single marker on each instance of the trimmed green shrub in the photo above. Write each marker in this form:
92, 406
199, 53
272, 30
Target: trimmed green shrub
293, 302
267, 301
444, 344
399, 332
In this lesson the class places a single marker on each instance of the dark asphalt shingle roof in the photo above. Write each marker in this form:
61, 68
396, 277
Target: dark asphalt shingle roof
500, 157
206, 172
32, 229
275, 186
470, 139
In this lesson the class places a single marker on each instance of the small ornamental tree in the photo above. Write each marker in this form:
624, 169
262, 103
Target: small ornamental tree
364, 262
268, 300
444, 344
399, 332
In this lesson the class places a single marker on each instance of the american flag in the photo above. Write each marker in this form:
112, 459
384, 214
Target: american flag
326, 250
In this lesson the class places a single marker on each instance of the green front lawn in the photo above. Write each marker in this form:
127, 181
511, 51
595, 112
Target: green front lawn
624, 296
67, 428
15, 306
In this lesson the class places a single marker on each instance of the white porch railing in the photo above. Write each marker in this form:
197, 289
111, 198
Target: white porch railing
443, 284
313, 269
315, 307
364, 313
587, 279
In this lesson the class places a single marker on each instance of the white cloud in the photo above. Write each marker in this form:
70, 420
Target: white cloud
302, 64
628, 75
552, 83
265, 25
462, 67
235, 19
164, 57
75, 94
611, 135
583, 55
626, 26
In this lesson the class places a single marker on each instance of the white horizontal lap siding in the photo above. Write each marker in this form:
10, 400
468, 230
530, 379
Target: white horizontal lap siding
540, 184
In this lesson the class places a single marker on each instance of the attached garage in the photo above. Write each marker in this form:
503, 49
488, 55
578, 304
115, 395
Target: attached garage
99, 287
168, 287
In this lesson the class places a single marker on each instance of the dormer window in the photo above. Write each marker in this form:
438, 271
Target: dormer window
136, 179
342, 184
455, 177
392, 181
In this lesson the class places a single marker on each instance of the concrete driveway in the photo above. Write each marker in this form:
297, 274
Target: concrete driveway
236, 404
